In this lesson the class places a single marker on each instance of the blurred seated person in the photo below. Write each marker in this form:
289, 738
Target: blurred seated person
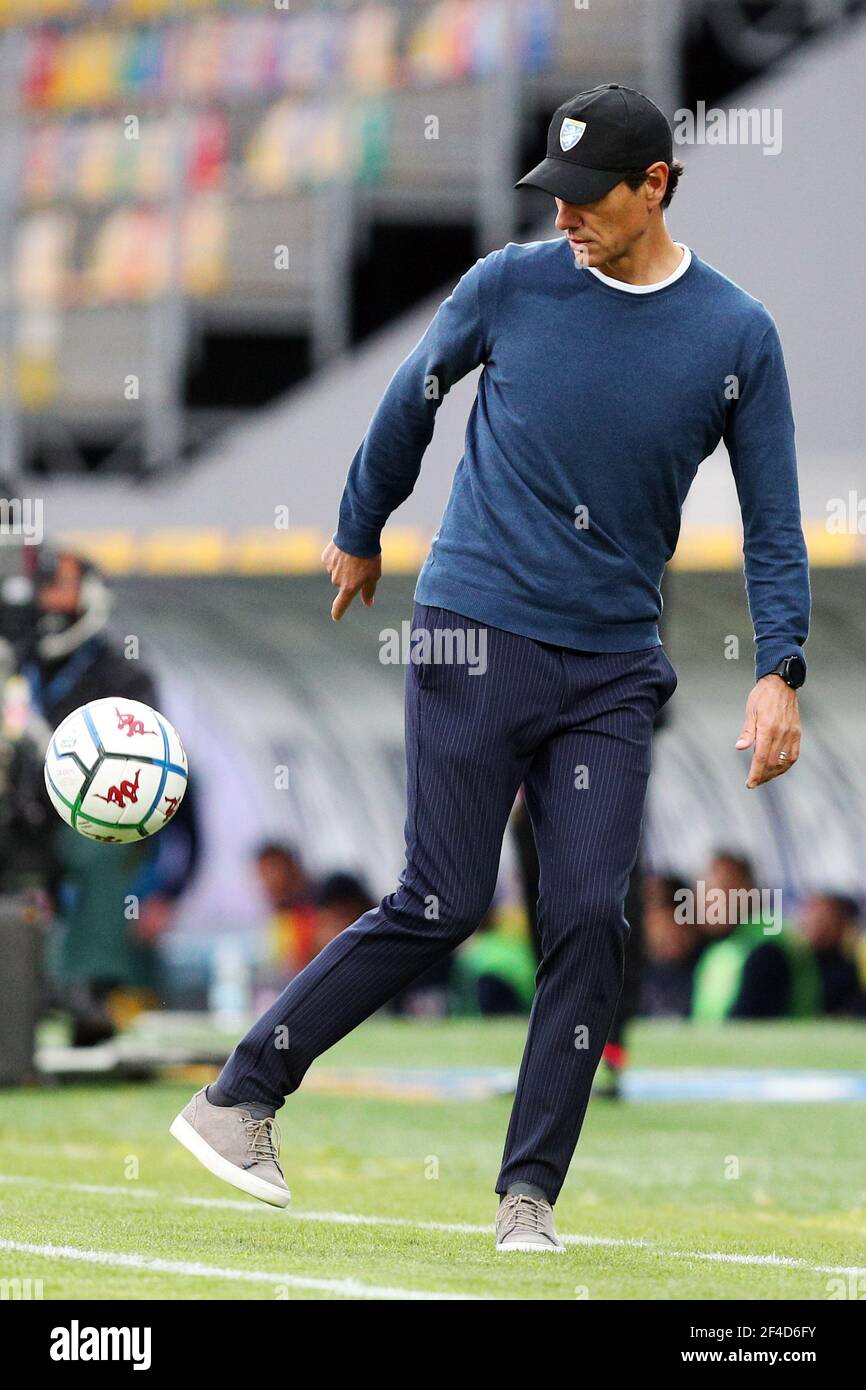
829, 923
749, 968
291, 931
113, 907
340, 900
672, 947
494, 973
68, 653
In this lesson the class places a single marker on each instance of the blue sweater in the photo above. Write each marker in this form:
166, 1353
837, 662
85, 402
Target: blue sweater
593, 412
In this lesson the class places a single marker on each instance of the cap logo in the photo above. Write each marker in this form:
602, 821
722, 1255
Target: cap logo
570, 132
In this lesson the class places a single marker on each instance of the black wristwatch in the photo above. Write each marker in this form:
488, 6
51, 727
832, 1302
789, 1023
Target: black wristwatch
792, 669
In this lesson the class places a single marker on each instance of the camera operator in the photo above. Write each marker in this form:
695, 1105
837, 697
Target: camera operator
113, 904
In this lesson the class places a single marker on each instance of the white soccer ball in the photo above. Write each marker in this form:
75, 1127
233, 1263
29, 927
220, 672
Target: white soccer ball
116, 770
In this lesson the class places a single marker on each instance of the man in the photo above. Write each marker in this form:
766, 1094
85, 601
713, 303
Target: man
292, 929
750, 967
340, 900
673, 947
69, 657
829, 924
607, 358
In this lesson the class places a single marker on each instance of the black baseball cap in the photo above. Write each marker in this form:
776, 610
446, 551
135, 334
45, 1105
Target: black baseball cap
596, 138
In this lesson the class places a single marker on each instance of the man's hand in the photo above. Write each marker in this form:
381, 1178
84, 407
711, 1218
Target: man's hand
351, 574
771, 727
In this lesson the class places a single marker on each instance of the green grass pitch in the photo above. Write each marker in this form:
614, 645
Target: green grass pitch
98, 1202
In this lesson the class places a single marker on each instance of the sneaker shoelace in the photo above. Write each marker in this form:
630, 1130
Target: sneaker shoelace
263, 1137
526, 1212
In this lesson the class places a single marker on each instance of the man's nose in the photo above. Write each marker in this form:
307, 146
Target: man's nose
567, 216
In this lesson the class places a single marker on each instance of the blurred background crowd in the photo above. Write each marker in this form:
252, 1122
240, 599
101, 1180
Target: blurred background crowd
732, 964
223, 223
722, 945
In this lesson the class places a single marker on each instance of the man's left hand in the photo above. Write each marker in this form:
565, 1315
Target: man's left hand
771, 728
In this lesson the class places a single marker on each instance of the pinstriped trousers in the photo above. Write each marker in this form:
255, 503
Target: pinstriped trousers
575, 729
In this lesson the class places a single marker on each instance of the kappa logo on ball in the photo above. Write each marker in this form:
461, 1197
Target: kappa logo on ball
131, 725
570, 132
126, 789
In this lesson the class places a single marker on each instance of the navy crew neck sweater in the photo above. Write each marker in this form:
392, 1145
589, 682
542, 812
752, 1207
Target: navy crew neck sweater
594, 410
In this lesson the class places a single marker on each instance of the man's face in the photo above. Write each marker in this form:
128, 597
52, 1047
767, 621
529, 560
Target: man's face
823, 923
667, 939
281, 877
61, 593
726, 876
601, 232
337, 916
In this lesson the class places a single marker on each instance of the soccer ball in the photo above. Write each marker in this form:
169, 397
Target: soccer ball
116, 770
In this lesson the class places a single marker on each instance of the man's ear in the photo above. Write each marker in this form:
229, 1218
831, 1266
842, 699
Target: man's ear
656, 183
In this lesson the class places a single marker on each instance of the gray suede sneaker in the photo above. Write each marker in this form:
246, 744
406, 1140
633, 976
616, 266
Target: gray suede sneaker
234, 1146
526, 1223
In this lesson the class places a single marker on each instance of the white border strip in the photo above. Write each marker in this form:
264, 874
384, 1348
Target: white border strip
346, 1218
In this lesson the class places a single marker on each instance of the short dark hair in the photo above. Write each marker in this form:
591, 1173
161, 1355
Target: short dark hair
740, 862
277, 849
848, 906
669, 885
342, 888
636, 177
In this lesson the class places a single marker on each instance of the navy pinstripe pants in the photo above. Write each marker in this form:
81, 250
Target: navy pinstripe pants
575, 728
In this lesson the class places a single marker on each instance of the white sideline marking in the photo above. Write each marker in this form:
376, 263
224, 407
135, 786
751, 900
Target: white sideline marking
347, 1288
347, 1218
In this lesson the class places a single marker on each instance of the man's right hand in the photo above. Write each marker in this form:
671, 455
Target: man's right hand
351, 574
